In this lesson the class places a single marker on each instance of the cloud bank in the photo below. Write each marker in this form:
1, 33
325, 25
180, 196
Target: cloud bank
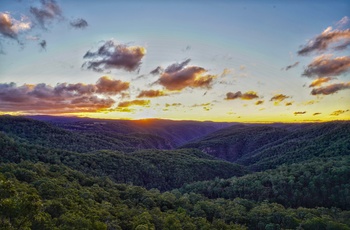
62, 98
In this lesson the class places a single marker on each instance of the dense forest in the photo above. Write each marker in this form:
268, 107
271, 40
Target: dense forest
72, 173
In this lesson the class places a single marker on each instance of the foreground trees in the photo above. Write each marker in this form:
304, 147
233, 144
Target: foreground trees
56, 197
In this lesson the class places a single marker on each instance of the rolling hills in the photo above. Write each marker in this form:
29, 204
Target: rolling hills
79, 173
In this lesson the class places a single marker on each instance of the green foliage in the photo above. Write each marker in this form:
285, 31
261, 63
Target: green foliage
267, 147
318, 182
54, 178
102, 204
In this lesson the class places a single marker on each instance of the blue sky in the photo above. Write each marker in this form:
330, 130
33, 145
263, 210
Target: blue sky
238, 52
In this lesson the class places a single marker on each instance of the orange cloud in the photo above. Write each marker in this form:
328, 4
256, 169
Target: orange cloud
10, 27
319, 81
106, 85
250, 95
330, 89
63, 98
151, 93
339, 112
278, 98
178, 76
124, 104
259, 102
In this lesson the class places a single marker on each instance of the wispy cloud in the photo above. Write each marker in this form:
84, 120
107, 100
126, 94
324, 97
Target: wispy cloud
172, 105
43, 44
319, 81
151, 93
340, 38
278, 98
178, 76
299, 112
250, 95
114, 56
47, 12
79, 23
124, 104
339, 112
326, 66
315, 114
157, 70
330, 89
345, 20
292, 66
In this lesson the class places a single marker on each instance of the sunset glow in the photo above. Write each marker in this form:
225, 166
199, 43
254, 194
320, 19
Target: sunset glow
242, 61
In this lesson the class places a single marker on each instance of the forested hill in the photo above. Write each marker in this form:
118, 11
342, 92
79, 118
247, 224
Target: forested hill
175, 133
265, 147
83, 174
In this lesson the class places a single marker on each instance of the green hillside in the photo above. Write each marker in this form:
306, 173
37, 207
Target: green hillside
44, 196
166, 169
55, 177
266, 147
314, 183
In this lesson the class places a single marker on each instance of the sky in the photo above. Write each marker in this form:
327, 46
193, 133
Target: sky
239, 61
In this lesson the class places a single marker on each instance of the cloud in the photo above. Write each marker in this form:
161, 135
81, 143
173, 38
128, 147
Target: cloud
106, 85
338, 112
124, 104
151, 93
172, 105
43, 44
326, 66
62, 98
79, 23
48, 11
225, 72
157, 70
114, 56
299, 113
202, 105
292, 66
343, 21
319, 81
259, 102
279, 97
328, 37
289, 103
315, 114
10, 27
179, 76
330, 89
250, 95
177, 66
